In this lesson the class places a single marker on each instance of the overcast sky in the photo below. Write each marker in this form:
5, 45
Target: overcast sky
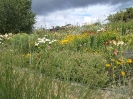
76, 12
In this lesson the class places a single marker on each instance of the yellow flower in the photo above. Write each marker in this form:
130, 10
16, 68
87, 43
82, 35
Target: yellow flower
86, 49
31, 43
107, 65
123, 73
112, 60
120, 59
114, 67
64, 42
95, 53
118, 63
27, 55
129, 61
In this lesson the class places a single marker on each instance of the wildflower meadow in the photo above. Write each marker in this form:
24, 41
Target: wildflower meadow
87, 62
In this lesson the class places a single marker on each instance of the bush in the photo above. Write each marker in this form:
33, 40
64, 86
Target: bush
72, 66
106, 36
16, 16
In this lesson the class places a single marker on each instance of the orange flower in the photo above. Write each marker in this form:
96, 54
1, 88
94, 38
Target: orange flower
90, 32
115, 52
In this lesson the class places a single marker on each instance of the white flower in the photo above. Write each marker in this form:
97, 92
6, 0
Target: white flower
36, 44
5, 36
98, 30
41, 40
1, 39
54, 40
120, 43
50, 42
102, 29
47, 39
10, 34
44, 38
114, 42
1, 36
1, 43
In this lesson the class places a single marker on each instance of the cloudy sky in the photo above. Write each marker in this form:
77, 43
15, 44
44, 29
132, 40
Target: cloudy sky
76, 12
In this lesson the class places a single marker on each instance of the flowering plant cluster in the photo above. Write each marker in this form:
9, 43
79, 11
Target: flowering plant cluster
115, 46
114, 42
101, 30
119, 67
43, 42
79, 42
120, 70
5, 37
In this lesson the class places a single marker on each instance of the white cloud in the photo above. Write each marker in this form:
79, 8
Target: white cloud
75, 16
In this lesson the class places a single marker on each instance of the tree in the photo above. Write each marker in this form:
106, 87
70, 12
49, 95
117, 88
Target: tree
16, 16
125, 15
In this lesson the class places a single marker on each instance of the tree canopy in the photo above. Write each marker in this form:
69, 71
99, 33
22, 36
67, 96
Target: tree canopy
123, 15
16, 16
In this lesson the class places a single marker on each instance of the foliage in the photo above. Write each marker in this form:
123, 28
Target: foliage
23, 43
125, 15
122, 28
106, 36
128, 39
16, 16
79, 68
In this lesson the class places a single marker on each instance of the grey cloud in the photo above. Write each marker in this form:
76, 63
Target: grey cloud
47, 6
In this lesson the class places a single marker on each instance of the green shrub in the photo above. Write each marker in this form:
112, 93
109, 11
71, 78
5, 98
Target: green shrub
82, 68
106, 36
